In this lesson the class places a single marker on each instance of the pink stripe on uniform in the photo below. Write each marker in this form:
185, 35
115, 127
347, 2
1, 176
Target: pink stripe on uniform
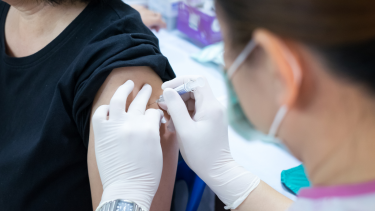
338, 191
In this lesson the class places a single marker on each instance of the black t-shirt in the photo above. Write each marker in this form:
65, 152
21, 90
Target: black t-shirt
46, 99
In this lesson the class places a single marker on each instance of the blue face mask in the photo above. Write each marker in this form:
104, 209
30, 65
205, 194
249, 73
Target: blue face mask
236, 116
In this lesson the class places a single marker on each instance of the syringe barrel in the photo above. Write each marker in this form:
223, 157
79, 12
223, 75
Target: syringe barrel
182, 89
192, 85
186, 87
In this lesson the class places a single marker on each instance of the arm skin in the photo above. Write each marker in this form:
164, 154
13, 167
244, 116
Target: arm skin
265, 198
140, 76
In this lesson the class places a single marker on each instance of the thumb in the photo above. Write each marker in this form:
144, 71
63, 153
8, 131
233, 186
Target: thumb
177, 109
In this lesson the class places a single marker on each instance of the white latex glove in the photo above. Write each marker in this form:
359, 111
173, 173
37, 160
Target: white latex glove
127, 147
203, 142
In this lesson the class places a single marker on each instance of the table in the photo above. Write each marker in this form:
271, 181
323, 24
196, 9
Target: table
265, 160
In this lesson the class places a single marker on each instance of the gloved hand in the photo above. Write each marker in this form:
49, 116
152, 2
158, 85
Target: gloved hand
203, 141
127, 147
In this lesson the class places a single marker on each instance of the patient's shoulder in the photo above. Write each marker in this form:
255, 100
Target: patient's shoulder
116, 17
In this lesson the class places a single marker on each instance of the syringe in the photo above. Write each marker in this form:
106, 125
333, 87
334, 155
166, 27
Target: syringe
185, 88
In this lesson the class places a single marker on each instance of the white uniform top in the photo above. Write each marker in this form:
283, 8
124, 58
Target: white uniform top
358, 197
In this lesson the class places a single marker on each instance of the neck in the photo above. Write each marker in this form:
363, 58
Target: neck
33, 24
345, 152
42, 18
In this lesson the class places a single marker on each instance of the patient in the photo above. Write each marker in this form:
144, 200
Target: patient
59, 61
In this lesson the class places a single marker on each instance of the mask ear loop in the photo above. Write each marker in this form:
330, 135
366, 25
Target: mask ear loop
277, 121
280, 115
241, 58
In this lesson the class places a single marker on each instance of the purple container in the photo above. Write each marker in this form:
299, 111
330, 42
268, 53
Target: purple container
201, 27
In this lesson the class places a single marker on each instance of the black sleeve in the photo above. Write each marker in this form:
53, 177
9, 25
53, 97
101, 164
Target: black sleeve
99, 58
3, 6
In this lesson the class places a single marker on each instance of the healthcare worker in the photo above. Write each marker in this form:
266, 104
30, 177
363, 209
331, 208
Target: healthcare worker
302, 72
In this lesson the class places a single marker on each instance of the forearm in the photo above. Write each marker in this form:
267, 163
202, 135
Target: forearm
265, 198
163, 196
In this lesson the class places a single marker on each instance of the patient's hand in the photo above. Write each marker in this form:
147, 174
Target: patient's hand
152, 20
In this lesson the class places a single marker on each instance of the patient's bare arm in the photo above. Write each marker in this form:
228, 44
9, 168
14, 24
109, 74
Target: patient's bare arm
140, 76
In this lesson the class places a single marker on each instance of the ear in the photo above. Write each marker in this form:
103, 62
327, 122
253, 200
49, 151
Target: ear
286, 59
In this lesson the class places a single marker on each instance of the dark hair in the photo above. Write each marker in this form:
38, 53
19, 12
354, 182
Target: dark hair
341, 31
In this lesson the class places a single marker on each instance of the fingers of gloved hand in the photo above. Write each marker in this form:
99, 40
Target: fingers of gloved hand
185, 97
177, 109
154, 116
138, 106
179, 81
163, 106
200, 94
100, 114
118, 100
203, 93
